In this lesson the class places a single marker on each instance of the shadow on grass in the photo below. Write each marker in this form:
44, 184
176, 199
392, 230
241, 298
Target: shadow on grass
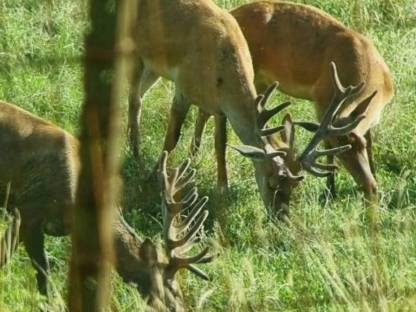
141, 197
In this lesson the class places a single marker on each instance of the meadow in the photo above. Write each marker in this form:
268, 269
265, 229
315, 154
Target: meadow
327, 258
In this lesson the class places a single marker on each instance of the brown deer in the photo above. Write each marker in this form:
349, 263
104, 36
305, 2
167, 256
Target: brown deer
201, 48
295, 44
41, 162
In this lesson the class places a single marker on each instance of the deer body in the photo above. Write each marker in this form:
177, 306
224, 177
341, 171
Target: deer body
295, 44
175, 38
42, 163
201, 48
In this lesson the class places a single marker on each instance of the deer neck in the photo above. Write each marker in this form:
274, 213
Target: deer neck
127, 251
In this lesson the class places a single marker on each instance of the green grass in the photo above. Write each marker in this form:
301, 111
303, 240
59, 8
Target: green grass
327, 259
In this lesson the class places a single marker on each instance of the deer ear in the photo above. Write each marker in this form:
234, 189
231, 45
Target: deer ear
148, 252
250, 151
288, 133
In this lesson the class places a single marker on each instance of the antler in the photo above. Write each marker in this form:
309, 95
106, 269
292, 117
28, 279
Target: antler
327, 127
181, 235
264, 115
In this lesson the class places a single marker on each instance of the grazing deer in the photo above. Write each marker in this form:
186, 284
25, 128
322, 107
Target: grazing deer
41, 162
201, 48
295, 44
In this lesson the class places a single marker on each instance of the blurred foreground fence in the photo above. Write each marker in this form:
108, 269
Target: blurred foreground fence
107, 51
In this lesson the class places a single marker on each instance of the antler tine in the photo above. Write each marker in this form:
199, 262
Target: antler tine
164, 175
270, 131
190, 198
191, 234
179, 180
337, 85
336, 82
264, 115
171, 187
344, 130
326, 127
180, 236
196, 210
310, 164
262, 99
188, 263
341, 93
199, 272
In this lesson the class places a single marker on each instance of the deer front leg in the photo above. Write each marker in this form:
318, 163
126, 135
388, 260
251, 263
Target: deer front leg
179, 109
33, 240
220, 147
199, 130
142, 80
369, 138
330, 180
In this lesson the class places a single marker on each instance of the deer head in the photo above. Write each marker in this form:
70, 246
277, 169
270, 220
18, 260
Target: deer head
183, 219
280, 165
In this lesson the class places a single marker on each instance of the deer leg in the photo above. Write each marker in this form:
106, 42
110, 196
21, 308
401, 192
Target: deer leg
199, 130
33, 240
369, 138
180, 107
220, 146
143, 79
357, 164
135, 105
178, 111
330, 180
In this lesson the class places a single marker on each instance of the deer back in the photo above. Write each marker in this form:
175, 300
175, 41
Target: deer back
295, 44
36, 159
201, 48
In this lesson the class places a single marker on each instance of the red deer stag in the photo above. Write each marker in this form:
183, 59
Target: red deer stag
295, 44
41, 162
201, 48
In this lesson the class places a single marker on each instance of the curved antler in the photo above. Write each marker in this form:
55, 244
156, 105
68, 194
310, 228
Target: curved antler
264, 115
181, 235
327, 127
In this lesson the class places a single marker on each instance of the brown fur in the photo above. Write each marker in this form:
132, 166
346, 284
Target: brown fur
201, 48
294, 44
41, 162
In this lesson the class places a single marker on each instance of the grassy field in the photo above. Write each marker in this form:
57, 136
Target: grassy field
326, 259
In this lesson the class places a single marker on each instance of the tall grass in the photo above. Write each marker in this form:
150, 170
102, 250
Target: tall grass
328, 258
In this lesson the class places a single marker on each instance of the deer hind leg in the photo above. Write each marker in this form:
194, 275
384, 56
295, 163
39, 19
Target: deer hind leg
220, 147
369, 137
200, 123
357, 164
33, 240
143, 79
